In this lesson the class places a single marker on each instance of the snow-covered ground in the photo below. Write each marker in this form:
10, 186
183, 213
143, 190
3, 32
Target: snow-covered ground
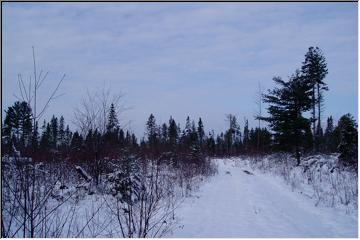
236, 204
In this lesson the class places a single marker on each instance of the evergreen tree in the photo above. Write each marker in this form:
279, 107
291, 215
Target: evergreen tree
134, 143
348, 140
331, 136
314, 70
35, 138
210, 144
54, 129
194, 135
128, 140
111, 137
232, 135
286, 105
45, 140
265, 140
68, 136
164, 134
201, 132
173, 134
121, 138
152, 132
76, 145
221, 147
18, 126
89, 143
246, 138
61, 137
112, 122
187, 129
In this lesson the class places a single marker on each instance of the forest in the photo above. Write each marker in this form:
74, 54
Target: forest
49, 169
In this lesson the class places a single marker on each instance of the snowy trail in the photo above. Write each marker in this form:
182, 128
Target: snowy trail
259, 205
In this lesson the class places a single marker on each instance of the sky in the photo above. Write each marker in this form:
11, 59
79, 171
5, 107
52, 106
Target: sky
177, 59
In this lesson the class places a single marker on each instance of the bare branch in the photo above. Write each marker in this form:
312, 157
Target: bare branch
19, 82
50, 98
42, 80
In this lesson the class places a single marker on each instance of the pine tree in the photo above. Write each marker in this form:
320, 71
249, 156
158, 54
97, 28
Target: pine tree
35, 139
111, 136
221, 146
152, 133
61, 137
201, 132
164, 134
265, 140
18, 126
54, 127
121, 138
286, 105
76, 145
187, 126
173, 134
210, 144
134, 143
232, 135
314, 70
348, 140
112, 122
331, 136
68, 136
128, 140
194, 135
246, 138
89, 143
45, 140
10, 131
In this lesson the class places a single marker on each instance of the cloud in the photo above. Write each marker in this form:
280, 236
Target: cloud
197, 59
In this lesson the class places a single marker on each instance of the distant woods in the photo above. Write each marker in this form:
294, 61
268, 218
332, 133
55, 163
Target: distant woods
294, 108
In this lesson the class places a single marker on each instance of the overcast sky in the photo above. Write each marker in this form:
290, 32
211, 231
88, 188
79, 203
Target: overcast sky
198, 59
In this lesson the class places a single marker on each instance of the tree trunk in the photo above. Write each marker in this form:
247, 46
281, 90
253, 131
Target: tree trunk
319, 119
314, 118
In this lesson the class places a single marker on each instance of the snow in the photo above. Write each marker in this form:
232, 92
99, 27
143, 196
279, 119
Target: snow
246, 198
83, 173
236, 204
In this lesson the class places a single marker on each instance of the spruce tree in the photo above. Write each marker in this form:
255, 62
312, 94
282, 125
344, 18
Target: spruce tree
18, 126
112, 122
173, 133
314, 70
329, 143
164, 134
151, 130
201, 132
